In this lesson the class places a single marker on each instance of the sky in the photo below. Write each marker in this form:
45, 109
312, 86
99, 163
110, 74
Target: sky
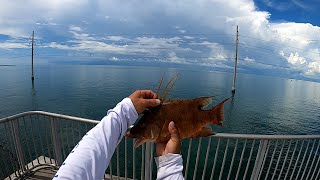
276, 37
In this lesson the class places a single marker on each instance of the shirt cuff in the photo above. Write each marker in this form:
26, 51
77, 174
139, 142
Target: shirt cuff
169, 164
126, 109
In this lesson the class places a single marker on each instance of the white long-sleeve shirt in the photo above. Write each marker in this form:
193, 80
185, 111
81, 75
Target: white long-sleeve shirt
169, 167
91, 156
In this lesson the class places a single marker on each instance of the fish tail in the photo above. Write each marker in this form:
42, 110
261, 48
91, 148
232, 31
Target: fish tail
218, 113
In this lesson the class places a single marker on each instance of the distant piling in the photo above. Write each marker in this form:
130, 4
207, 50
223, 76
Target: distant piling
235, 64
32, 54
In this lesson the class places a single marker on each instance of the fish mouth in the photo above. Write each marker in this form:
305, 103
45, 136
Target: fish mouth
129, 135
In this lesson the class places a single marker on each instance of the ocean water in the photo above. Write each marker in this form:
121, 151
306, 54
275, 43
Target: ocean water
261, 105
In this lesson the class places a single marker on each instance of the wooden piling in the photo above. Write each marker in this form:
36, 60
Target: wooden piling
32, 54
235, 64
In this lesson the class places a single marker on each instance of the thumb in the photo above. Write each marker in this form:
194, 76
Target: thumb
173, 132
151, 102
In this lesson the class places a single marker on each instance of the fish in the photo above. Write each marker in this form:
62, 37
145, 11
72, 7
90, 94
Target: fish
190, 116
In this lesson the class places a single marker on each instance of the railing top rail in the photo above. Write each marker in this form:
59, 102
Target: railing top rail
218, 135
264, 137
54, 115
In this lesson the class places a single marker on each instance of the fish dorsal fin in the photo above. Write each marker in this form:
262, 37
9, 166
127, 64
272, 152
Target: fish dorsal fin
167, 89
205, 101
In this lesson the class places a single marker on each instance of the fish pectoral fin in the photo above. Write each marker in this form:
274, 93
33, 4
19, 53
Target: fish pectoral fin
205, 101
204, 132
139, 141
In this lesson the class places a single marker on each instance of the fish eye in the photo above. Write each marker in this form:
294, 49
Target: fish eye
142, 125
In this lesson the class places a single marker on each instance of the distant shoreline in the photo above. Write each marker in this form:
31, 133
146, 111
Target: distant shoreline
6, 65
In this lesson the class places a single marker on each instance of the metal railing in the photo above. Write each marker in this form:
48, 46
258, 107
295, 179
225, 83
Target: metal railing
34, 140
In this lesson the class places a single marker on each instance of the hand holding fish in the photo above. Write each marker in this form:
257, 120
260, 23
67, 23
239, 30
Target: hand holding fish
143, 99
173, 145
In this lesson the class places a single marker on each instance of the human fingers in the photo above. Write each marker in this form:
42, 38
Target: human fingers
148, 94
143, 94
143, 99
173, 131
174, 144
149, 98
150, 102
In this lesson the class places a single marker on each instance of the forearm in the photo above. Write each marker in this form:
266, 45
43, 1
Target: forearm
92, 155
170, 166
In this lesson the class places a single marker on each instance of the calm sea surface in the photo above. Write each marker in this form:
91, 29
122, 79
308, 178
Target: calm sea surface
262, 105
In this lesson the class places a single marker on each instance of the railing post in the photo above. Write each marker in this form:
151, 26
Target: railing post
147, 161
56, 142
17, 144
261, 155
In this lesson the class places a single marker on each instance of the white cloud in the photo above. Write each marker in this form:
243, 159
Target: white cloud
282, 53
89, 46
79, 35
89, 22
314, 68
249, 60
188, 37
295, 59
114, 59
46, 22
137, 46
18, 19
310, 68
182, 31
298, 34
14, 32
217, 51
174, 58
75, 28
116, 38
12, 45
58, 46
156, 46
